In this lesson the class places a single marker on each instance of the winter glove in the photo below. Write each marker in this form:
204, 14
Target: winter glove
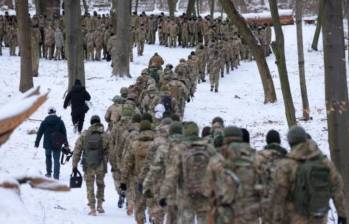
342, 220
188, 100
147, 193
163, 202
140, 188
123, 187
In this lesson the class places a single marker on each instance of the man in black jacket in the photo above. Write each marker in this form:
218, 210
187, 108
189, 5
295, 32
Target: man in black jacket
77, 97
55, 136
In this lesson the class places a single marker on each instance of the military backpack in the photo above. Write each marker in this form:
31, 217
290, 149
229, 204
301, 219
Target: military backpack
195, 161
93, 149
312, 191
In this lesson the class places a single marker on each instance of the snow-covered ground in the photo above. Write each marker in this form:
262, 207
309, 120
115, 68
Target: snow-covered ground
239, 102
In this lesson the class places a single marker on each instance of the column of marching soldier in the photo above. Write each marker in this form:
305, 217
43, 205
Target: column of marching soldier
164, 167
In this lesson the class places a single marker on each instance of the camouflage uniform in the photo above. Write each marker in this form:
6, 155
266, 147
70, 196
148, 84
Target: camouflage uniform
98, 43
134, 162
189, 205
185, 34
141, 35
213, 70
12, 38
157, 172
90, 45
59, 43
93, 174
35, 38
286, 171
173, 30
49, 42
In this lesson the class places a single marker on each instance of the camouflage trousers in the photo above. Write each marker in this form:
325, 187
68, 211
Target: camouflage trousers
188, 215
171, 213
98, 53
92, 176
214, 80
12, 50
155, 212
140, 48
58, 53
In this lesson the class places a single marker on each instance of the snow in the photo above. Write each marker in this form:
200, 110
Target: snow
239, 102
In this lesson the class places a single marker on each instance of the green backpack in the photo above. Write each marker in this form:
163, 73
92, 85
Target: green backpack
312, 190
128, 110
93, 150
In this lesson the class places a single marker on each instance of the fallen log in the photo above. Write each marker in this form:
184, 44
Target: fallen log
261, 19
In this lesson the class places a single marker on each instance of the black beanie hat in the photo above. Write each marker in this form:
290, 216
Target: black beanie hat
245, 135
273, 137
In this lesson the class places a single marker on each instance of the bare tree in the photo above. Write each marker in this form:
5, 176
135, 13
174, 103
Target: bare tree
26, 80
40, 6
84, 3
279, 51
299, 23
212, 3
191, 8
136, 6
336, 90
171, 7
74, 45
121, 55
318, 25
254, 45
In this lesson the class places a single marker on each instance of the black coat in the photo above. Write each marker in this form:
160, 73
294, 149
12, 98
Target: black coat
77, 97
47, 127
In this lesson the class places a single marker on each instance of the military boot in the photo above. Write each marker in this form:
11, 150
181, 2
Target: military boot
211, 88
100, 208
92, 212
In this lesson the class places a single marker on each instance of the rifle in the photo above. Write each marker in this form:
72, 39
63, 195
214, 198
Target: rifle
121, 201
66, 151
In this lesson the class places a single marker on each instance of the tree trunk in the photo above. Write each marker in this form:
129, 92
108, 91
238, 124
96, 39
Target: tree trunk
336, 90
243, 6
198, 10
136, 6
191, 8
22, 11
279, 51
121, 55
299, 23
212, 8
171, 7
318, 26
41, 7
347, 15
85, 6
253, 44
113, 15
74, 45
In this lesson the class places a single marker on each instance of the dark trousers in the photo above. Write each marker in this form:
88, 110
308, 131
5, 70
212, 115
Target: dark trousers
78, 120
55, 153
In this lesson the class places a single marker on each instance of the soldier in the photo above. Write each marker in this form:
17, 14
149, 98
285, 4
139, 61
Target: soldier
2, 32
141, 35
152, 28
93, 145
186, 173
59, 43
173, 29
267, 160
157, 171
12, 38
156, 61
213, 70
98, 43
35, 38
90, 45
311, 179
133, 164
201, 54
49, 42
113, 114
185, 33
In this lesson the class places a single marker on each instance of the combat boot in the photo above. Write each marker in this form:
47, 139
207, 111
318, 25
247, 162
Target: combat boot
92, 212
211, 88
216, 90
100, 208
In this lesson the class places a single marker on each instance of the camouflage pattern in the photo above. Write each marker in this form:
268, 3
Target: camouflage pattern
285, 175
93, 174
